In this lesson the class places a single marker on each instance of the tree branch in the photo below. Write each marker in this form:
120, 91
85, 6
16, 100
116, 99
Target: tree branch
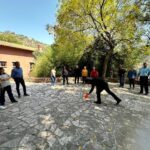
93, 20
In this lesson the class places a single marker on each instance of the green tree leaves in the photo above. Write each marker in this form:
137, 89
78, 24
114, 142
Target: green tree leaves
104, 28
44, 63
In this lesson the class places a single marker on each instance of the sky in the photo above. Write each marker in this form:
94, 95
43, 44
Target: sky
28, 17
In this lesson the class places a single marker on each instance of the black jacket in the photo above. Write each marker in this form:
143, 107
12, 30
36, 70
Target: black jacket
77, 72
98, 82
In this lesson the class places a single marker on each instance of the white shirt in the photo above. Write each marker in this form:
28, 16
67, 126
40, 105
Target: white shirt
53, 72
4, 83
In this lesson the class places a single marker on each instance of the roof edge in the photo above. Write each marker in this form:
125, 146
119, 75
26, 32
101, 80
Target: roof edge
18, 46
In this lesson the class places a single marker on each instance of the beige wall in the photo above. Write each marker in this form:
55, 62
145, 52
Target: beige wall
10, 55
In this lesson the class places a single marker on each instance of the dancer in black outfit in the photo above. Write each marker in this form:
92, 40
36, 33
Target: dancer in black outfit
100, 86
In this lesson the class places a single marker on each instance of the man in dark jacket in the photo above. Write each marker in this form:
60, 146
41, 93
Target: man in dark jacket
121, 74
17, 75
65, 75
131, 76
100, 86
77, 74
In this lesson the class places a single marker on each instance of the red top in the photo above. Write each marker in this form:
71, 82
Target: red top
94, 74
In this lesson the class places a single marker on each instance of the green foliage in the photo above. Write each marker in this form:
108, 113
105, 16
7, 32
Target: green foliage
9, 38
113, 22
20, 39
43, 64
68, 47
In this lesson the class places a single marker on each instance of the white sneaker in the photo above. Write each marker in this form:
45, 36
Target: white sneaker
2, 107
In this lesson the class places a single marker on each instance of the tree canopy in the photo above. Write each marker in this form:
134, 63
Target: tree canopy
113, 22
102, 31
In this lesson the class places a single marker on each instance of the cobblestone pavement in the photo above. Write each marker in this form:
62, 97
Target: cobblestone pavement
58, 119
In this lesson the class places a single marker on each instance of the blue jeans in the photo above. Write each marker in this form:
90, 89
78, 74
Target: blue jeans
53, 79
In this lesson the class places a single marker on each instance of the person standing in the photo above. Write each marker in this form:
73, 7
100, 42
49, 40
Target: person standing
1, 100
121, 74
131, 76
65, 75
94, 73
53, 76
100, 85
144, 72
17, 75
5, 87
77, 74
84, 74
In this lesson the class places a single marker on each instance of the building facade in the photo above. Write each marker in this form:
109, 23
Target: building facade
10, 53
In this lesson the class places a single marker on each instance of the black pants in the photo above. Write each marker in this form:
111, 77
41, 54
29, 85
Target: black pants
83, 79
19, 81
144, 84
121, 80
9, 92
132, 82
65, 78
106, 88
76, 79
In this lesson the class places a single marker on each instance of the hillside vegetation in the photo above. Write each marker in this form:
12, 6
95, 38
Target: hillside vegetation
20, 39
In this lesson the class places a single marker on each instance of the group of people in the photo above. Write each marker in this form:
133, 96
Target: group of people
142, 76
5, 85
94, 80
76, 72
101, 84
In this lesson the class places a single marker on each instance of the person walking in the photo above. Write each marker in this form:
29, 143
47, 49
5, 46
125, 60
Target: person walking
131, 76
84, 74
53, 76
5, 87
121, 74
100, 85
65, 75
17, 75
143, 73
1, 99
76, 74
94, 73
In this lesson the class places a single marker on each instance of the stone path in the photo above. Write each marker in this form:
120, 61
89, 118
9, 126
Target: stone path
59, 119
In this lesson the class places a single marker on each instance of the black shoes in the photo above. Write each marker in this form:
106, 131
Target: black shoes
142, 93
97, 102
118, 102
19, 96
14, 101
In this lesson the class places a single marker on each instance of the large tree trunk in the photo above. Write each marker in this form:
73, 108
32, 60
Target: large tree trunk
105, 63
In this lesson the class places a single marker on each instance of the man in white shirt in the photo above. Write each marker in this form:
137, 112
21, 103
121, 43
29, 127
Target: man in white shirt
53, 76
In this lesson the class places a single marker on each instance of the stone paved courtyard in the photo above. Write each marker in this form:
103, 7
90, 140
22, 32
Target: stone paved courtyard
58, 119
